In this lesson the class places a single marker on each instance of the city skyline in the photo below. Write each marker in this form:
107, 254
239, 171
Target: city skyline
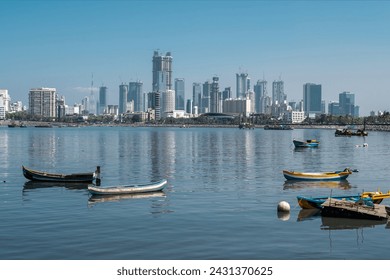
338, 44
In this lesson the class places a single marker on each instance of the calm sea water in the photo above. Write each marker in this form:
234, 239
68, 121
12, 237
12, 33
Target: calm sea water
224, 185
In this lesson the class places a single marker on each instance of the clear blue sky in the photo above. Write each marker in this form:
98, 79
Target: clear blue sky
343, 45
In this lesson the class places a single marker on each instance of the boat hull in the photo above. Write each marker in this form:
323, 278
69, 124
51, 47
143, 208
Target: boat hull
130, 189
353, 210
321, 176
305, 144
34, 175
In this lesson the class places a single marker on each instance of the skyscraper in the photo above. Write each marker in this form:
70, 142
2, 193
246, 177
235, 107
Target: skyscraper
196, 94
135, 94
260, 89
162, 71
162, 80
42, 102
167, 102
278, 96
215, 97
179, 93
347, 104
312, 98
123, 92
5, 99
102, 100
242, 85
205, 102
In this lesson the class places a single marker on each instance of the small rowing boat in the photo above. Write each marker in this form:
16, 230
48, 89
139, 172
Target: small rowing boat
311, 143
35, 175
128, 189
317, 176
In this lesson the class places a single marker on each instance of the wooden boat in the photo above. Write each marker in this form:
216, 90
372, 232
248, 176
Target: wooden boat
244, 125
316, 202
348, 132
317, 176
354, 209
35, 175
128, 189
310, 143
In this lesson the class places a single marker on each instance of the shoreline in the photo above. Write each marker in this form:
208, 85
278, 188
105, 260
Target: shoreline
5, 123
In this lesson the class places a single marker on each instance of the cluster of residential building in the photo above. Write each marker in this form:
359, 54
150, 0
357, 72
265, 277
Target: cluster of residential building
167, 99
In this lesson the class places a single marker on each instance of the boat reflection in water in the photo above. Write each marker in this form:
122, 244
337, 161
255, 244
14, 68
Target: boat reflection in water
94, 199
292, 184
308, 214
331, 223
38, 185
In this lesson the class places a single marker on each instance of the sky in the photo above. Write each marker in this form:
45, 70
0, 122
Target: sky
342, 45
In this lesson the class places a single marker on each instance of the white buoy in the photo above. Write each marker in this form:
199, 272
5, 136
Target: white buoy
283, 206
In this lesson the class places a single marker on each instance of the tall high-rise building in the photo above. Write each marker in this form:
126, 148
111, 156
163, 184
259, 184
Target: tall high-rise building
278, 96
260, 89
42, 102
205, 101
162, 72
242, 84
167, 102
215, 97
123, 92
312, 98
347, 104
196, 94
179, 93
161, 80
226, 93
5, 99
136, 95
102, 100
333, 108
154, 102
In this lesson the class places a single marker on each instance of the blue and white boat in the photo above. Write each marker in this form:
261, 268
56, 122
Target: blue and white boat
310, 143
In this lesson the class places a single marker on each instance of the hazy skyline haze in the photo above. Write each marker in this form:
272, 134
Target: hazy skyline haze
342, 45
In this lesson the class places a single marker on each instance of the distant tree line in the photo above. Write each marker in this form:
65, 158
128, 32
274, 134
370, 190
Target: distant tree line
256, 119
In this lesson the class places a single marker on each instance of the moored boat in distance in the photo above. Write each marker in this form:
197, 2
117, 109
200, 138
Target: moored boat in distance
248, 125
278, 127
317, 176
306, 144
128, 189
35, 175
348, 132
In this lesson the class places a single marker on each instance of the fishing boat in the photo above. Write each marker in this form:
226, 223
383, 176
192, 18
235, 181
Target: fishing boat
128, 189
317, 176
316, 202
35, 175
349, 132
310, 143
354, 209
